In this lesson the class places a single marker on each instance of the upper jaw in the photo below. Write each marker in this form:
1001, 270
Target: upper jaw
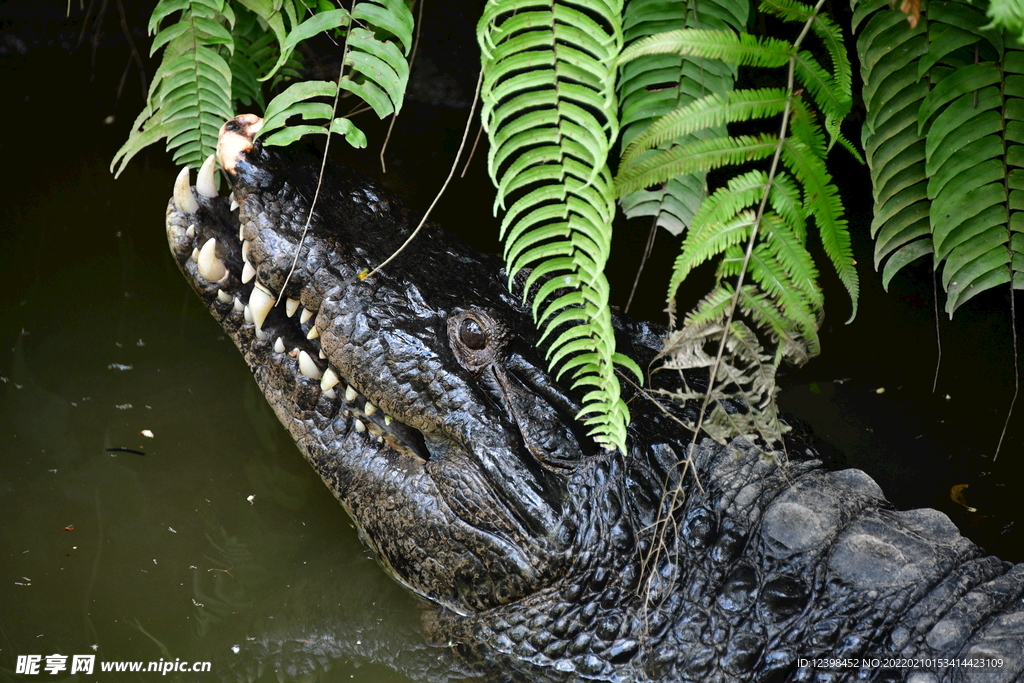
213, 243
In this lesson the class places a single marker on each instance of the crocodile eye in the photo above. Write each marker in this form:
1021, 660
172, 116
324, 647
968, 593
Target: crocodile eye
472, 335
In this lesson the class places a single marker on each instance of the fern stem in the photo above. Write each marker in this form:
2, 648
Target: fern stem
444, 186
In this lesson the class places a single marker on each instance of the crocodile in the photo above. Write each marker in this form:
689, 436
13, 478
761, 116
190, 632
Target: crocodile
418, 395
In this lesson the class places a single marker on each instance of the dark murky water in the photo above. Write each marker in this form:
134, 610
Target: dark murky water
220, 536
214, 541
215, 534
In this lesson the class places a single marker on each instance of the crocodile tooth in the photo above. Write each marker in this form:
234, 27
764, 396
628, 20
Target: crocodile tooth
195, 254
248, 314
369, 409
248, 273
279, 346
378, 438
234, 202
313, 333
305, 315
246, 246
183, 198
323, 356
294, 353
330, 393
211, 268
360, 427
223, 296
261, 335
350, 394
191, 231
206, 182
307, 367
290, 306
239, 306
329, 380
388, 419
260, 302
241, 232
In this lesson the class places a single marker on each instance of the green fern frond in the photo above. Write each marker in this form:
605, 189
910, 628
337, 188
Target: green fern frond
945, 135
821, 199
711, 111
209, 63
312, 26
654, 85
743, 49
549, 109
189, 98
692, 157
755, 226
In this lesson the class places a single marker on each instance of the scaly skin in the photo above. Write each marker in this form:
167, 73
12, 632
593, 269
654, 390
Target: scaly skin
478, 492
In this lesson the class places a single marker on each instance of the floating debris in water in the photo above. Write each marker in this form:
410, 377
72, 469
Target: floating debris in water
118, 449
147, 433
119, 366
124, 406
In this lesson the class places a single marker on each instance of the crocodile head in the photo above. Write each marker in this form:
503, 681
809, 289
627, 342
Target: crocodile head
416, 392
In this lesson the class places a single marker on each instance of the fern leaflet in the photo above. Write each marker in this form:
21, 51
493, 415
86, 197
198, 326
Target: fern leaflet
549, 109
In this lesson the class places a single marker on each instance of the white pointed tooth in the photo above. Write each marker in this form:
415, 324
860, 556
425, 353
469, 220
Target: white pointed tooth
183, 198
195, 254
248, 273
360, 427
378, 438
260, 302
279, 346
211, 268
261, 335
306, 315
206, 181
369, 409
246, 246
239, 306
234, 202
241, 232
323, 356
248, 314
330, 393
307, 367
290, 306
223, 296
329, 380
350, 393
313, 333
191, 231
388, 419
